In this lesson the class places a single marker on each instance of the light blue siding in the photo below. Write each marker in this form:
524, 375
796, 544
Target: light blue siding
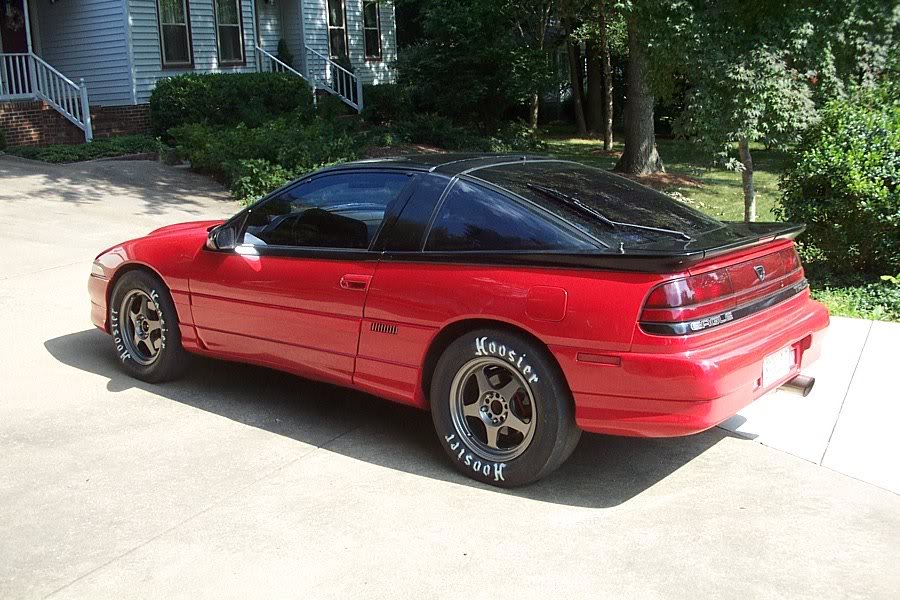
87, 38
372, 71
269, 17
145, 43
315, 29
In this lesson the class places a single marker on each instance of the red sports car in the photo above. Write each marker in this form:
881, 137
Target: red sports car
521, 299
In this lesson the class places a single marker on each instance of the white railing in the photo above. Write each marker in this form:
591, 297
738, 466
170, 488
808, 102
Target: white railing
334, 79
26, 75
15, 76
269, 63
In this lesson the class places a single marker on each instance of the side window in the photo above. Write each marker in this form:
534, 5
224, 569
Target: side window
476, 218
333, 211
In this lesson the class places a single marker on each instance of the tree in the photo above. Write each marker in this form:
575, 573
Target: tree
755, 70
639, 157
471, 63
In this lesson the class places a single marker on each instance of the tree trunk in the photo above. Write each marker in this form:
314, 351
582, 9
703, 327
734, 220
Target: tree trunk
747, 180
639, 156
594, 111
534, 110
577, 88
607, 80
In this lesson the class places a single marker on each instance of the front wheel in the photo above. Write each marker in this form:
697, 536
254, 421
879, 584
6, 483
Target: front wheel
144, 327
502, 409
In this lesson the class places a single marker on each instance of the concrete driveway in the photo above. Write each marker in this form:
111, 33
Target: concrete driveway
243, 482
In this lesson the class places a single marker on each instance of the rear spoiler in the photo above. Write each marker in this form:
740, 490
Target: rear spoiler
667, 256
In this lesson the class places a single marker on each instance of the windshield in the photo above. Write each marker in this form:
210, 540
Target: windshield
600, 193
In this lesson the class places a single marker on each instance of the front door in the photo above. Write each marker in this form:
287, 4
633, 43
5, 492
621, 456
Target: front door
15, 78
292, 295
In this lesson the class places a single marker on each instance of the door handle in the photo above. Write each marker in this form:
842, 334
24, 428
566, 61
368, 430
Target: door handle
358, 283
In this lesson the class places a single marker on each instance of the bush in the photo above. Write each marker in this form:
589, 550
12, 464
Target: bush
100, 148
436, 130
256, 160
227, 99
517, 137
844, 183
386, 103
253, 179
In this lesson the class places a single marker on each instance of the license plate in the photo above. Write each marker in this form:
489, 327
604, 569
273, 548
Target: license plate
776, 366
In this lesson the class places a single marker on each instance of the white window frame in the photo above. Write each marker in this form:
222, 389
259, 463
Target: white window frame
376, 29
186, 11
239, 26
329, 27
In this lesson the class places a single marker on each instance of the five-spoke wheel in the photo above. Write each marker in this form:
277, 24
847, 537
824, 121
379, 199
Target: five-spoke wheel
492, 404
501, 408
142, 326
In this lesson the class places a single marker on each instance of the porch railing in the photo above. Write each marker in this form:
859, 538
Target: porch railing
333, 78
26, 75
269, 63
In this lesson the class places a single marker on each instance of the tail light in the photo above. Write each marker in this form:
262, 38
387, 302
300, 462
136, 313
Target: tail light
709, 299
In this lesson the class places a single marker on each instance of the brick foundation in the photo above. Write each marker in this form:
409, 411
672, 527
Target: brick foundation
34, 123
108, 121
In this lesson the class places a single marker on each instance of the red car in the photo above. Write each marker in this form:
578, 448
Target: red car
522, 299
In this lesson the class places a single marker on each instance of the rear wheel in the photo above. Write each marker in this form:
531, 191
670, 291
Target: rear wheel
144, 327
502, 409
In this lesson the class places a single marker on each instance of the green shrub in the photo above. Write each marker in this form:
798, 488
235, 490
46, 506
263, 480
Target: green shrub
252, 179
331, 107
99, 148
844, 183
385, 103
517, 137
252, 159
436, 130
227, 99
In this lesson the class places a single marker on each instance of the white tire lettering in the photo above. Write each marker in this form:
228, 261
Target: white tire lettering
484, 346
468, 460
477, 465
486, 470
498, 471
450, 437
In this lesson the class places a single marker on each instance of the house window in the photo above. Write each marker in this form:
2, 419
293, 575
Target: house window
337, 29
372, 28
228, 31
175, 33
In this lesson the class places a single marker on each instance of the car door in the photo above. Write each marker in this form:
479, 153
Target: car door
291, 294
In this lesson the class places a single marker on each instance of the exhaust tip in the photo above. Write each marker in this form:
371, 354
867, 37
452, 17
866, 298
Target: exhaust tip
801, 384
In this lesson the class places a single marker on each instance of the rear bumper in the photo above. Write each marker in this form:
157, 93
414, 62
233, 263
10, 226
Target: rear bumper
668, 394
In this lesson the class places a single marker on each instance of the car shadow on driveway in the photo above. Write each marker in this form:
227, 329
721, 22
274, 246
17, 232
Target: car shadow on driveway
604, 471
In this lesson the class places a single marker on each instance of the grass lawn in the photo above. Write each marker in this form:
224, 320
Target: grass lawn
717, 192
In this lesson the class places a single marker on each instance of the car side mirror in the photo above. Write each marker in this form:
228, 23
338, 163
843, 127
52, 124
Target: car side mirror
222, 238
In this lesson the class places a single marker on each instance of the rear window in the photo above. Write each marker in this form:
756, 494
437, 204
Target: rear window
474, 218
615, 198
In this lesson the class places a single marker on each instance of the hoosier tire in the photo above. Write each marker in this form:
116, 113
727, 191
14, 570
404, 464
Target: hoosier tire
144, 327
501, 408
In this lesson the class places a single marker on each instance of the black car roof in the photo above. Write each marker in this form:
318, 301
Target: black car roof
448, 164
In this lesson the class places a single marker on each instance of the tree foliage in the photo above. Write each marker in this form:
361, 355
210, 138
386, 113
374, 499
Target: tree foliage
474, 61
844, 182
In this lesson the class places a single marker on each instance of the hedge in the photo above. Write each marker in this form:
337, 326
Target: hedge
227, 99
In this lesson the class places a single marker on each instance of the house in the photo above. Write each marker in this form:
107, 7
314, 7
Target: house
59, 56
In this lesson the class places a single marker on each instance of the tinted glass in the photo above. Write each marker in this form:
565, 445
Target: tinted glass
175, 45
227, 12
616, 198
336, 13
473, 217
230, 47
333, 211
373, 43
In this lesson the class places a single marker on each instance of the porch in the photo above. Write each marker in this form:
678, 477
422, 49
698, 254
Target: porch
25, 76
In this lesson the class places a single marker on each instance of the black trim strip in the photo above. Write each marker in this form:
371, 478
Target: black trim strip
706, 323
